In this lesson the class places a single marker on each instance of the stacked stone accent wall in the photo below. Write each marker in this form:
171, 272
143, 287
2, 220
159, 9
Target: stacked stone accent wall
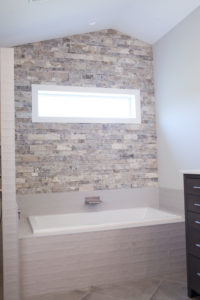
53, 157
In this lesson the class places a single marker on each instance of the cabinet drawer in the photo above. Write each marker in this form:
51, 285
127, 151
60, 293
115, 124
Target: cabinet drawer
194, 273
194, 242
193, 221
192, 203
192, 186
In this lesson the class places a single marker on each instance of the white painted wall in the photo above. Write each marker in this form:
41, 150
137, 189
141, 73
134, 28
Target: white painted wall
177, 79
62, 18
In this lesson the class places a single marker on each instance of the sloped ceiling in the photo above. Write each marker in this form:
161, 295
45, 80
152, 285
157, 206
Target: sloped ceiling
22, 21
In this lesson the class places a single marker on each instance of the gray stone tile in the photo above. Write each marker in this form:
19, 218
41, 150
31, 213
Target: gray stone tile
171, 291
98, 149
134, 290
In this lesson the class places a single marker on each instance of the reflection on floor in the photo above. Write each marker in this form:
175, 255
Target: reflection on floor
168, 288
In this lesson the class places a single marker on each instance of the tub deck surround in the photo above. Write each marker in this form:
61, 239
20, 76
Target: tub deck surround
63, 262
73, 202
99, 221
171, 200
60, 263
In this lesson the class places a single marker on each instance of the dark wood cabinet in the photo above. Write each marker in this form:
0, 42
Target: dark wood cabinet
192, 219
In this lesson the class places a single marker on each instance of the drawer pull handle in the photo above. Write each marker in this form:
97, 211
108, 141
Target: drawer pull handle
197, 222
197, 204
198, 274
196, 187
197, 245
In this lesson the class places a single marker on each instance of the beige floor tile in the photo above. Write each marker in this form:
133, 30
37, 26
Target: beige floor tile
151, 289
135, 290
74, 295
96, 296
171, 291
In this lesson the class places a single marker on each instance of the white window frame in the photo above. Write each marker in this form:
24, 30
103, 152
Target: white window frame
54, 88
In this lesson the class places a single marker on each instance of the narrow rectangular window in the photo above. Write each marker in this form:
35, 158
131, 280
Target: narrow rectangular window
84, 105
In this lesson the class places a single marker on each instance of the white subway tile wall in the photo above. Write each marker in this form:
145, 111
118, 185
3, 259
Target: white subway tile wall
10, 220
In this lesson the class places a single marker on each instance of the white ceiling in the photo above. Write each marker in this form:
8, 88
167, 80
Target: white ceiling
22, 21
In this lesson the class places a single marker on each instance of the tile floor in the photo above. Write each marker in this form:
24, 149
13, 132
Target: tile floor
1, 284
168, 288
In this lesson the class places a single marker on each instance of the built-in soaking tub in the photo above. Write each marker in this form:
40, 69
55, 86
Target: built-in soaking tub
98, 221
67, 245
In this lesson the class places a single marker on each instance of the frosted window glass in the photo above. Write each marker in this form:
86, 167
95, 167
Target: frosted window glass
84, 105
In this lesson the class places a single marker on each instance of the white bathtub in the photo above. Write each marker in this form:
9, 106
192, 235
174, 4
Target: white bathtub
98, 221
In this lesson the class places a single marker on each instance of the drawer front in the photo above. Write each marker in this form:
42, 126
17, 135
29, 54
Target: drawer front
193, 221
192, 186
194, 242
194, 273
193, 203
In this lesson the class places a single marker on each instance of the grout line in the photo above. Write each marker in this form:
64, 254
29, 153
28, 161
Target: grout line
86, 295
156, 289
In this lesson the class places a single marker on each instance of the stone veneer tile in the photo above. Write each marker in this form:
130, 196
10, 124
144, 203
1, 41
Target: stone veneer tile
54, 157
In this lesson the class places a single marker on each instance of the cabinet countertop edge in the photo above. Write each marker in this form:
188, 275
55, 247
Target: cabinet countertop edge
195, 172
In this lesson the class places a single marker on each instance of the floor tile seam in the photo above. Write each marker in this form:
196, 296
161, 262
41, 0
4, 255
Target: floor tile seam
103, 293
156, 289
97, 293
86, 295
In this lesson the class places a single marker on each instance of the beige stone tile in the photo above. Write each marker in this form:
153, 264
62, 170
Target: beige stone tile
109, 156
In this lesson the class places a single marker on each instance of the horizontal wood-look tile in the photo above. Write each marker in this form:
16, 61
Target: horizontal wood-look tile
67, 262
